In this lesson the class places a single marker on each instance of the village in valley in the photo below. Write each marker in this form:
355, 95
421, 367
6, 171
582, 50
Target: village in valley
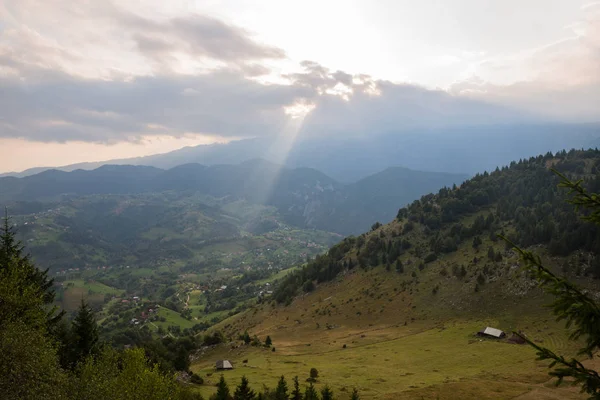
124, 297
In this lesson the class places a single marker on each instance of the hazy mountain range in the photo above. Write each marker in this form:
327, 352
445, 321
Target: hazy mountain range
305, 197
467, 149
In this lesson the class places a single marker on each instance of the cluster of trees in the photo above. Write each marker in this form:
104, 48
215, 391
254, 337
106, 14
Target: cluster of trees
281, 391
255, 340
43, 356
524, 194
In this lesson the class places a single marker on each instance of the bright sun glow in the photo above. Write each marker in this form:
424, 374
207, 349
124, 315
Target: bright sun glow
299, 110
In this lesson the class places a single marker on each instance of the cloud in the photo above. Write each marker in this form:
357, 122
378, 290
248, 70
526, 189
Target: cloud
562, 79
197, 38
91, 38
222, 103
360, 105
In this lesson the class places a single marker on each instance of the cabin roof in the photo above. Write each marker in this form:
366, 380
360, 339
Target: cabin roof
493, 332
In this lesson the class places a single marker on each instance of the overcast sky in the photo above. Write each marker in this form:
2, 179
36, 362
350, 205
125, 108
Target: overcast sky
92, 80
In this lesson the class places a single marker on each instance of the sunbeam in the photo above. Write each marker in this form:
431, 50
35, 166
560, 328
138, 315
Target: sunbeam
265, 176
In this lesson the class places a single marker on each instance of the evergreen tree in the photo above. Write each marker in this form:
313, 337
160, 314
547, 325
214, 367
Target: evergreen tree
310, 393
296, 394
355, 395
246, 337
243, 391
28, 360
326, 393
182, 359
281, 392
222, 390
84, 333
268, 341
12, 253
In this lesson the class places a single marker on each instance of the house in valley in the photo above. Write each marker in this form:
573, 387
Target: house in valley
223, 364
492, 333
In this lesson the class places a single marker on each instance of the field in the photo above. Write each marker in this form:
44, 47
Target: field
75, 290
418, 362
173, 318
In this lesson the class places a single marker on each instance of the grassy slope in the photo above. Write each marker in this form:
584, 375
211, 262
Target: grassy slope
402, 340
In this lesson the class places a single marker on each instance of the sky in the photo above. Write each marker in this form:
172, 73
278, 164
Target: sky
97, 79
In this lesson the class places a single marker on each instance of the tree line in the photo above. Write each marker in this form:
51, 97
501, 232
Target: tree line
281, 392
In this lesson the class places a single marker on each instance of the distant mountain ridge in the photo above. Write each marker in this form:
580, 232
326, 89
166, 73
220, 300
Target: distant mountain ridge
456, 149
306, 197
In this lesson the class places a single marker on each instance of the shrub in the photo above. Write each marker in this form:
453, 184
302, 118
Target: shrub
197, 379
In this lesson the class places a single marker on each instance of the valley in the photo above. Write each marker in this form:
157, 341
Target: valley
129, 239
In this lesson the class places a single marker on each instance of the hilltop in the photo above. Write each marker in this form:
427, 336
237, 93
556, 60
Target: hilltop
394, 311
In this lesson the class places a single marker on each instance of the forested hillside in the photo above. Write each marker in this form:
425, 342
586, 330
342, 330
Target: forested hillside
520, 201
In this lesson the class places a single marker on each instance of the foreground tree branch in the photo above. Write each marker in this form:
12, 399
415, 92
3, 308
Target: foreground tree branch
571, 304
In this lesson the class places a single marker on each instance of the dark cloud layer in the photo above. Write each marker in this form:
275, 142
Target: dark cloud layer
221, 103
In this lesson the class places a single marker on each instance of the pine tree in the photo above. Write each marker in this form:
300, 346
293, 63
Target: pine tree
29, 366
181, 362
268, 341
571, 304
243, 391
296, 394
310, 393
84, 333
246, 337
355, 395
12, 253
326, 393
281, 392
222, 390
